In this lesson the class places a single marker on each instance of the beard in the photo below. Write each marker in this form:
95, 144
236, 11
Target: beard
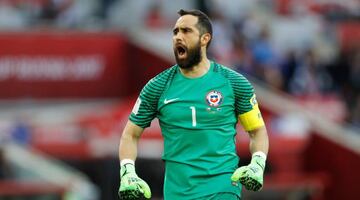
192, 58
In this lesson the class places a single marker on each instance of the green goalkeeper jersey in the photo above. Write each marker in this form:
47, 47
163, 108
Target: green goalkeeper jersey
198, 118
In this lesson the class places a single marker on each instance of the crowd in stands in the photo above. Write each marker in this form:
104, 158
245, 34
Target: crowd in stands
54, 14
290, 45
307, 59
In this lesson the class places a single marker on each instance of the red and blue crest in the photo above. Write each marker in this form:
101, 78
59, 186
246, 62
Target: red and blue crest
214, 98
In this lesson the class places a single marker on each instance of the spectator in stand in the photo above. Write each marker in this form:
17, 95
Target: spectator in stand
264, 60
104, 7
222, 45
21, 132
355, 70
354, 79
5, 170
69, 13
355, 114
48, 12
310, 78
288, 68
242, 57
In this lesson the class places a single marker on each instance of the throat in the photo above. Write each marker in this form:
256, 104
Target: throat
198, 70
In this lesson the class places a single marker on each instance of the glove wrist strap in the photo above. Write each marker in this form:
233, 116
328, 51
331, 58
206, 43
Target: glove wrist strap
260, 154
127, 167
126, 161
259, 158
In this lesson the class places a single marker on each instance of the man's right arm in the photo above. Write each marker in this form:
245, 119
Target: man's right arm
144, 111
131, 186
129, 141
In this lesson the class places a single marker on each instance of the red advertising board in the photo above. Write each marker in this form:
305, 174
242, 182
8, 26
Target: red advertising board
66, 65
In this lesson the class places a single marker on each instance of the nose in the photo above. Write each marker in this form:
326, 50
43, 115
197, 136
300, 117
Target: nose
178, 37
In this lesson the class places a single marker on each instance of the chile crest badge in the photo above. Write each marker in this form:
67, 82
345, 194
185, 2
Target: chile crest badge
214, 98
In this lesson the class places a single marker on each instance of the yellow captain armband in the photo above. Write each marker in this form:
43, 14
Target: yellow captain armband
252, 119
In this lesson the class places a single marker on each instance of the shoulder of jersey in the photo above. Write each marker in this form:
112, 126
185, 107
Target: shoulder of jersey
165, 74
226, 71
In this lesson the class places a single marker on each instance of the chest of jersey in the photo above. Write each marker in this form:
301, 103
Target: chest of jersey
202, 103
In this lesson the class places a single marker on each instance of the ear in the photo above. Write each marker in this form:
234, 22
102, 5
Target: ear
205, 38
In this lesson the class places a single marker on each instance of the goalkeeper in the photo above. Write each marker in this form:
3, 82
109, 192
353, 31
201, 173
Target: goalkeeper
198, 103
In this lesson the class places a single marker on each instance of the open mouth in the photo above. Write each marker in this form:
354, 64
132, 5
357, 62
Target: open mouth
181, 51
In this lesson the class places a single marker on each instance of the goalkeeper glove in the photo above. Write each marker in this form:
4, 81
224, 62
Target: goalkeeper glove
131, 186
251, 176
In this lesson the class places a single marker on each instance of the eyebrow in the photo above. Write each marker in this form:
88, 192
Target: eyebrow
182, 28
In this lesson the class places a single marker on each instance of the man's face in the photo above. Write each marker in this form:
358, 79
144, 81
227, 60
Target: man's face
186, 42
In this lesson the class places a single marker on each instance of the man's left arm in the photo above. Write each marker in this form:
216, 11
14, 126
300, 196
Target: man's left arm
259, 141
251, 176
249, 115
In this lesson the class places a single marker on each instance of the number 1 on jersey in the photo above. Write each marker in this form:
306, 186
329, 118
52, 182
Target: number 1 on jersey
193, 114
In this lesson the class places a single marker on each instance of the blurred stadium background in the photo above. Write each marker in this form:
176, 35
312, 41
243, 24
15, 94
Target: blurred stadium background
71, 69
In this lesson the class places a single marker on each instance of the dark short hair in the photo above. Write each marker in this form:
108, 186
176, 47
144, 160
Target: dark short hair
203, 24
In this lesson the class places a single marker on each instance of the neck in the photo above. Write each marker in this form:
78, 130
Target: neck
197, 70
